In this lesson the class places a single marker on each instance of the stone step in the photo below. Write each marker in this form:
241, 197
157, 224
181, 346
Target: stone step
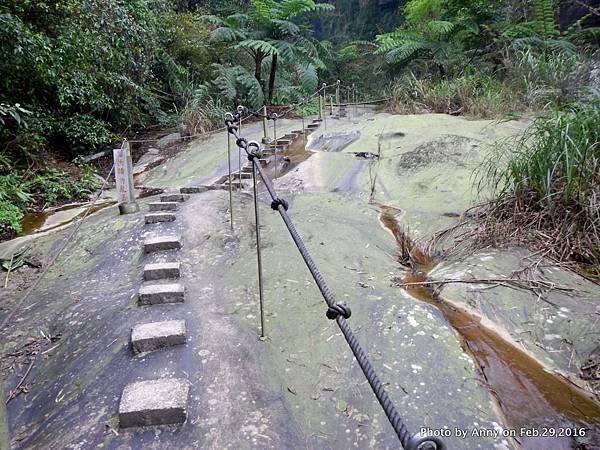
163, 206
247, 169
317, 120
162, 243
290, 136
174, 198
193, 189
160, 271
298, 132
148, 337
312, 126
234, 187
244, 176
154, 402
160, 217
283, 142
158, 294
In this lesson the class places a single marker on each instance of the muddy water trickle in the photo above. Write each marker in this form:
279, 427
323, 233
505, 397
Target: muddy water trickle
296, 152
41, 221
527, 394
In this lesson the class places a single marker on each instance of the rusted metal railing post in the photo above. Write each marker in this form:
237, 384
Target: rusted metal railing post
320, 107
258, 252
240, 110
229, 176
274, 117
324, 105
264, 121
337, 98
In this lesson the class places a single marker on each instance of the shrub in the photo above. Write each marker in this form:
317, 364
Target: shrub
10, 217
546, 184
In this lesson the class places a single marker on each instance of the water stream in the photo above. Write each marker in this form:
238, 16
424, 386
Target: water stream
527, 394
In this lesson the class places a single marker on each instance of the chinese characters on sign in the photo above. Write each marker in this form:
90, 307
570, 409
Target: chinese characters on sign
124, 177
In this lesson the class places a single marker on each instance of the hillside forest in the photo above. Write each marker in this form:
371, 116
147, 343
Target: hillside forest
78, 76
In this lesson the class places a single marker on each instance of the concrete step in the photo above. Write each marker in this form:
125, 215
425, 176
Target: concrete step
244, 176
298, 132
174, 198
193, 189
148, 337
160, 243
317, 120
159, 217
312, 126
160, 271
283, 142
154, 402
163, 206
158, 294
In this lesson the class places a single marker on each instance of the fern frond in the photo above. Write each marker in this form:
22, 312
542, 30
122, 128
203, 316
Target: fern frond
257, 46
440, 28
405, 52
286, 27
307, 74
285, 50
226, 34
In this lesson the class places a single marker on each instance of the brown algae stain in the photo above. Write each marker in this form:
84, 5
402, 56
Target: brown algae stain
528, 395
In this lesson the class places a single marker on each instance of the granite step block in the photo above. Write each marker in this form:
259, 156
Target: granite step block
154, 402
179, 198
149, 337
159, 217
158, 294
161, 271
160, 243
193, 189
163, 206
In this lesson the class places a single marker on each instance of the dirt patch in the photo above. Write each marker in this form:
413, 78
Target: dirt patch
445, 149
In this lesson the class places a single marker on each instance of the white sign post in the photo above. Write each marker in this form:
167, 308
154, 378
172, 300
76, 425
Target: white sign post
124, 179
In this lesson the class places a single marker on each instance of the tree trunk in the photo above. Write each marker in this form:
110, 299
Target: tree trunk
272, 77
258, 57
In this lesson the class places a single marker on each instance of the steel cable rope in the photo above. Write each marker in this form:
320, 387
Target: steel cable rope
57, 254
335, 311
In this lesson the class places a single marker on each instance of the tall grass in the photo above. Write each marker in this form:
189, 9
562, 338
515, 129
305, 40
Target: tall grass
557, 158
528, 80
546, 183
474, 95
539, 78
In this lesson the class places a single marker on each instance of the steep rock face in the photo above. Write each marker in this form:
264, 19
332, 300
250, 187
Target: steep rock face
571, 11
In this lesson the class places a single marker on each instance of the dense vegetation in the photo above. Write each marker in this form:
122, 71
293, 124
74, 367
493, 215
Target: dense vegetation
78, 74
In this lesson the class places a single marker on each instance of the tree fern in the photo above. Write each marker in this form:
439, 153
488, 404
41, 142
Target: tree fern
286, 27
544, 12
308, 77
257, 45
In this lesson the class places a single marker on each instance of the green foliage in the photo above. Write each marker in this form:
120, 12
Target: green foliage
539, 77
10, 217
15, 112
474, 94
238, 85
274, 35
557, 158
84, 129
432, 33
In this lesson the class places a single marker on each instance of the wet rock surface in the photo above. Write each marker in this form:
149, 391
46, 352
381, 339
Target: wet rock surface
301, 388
